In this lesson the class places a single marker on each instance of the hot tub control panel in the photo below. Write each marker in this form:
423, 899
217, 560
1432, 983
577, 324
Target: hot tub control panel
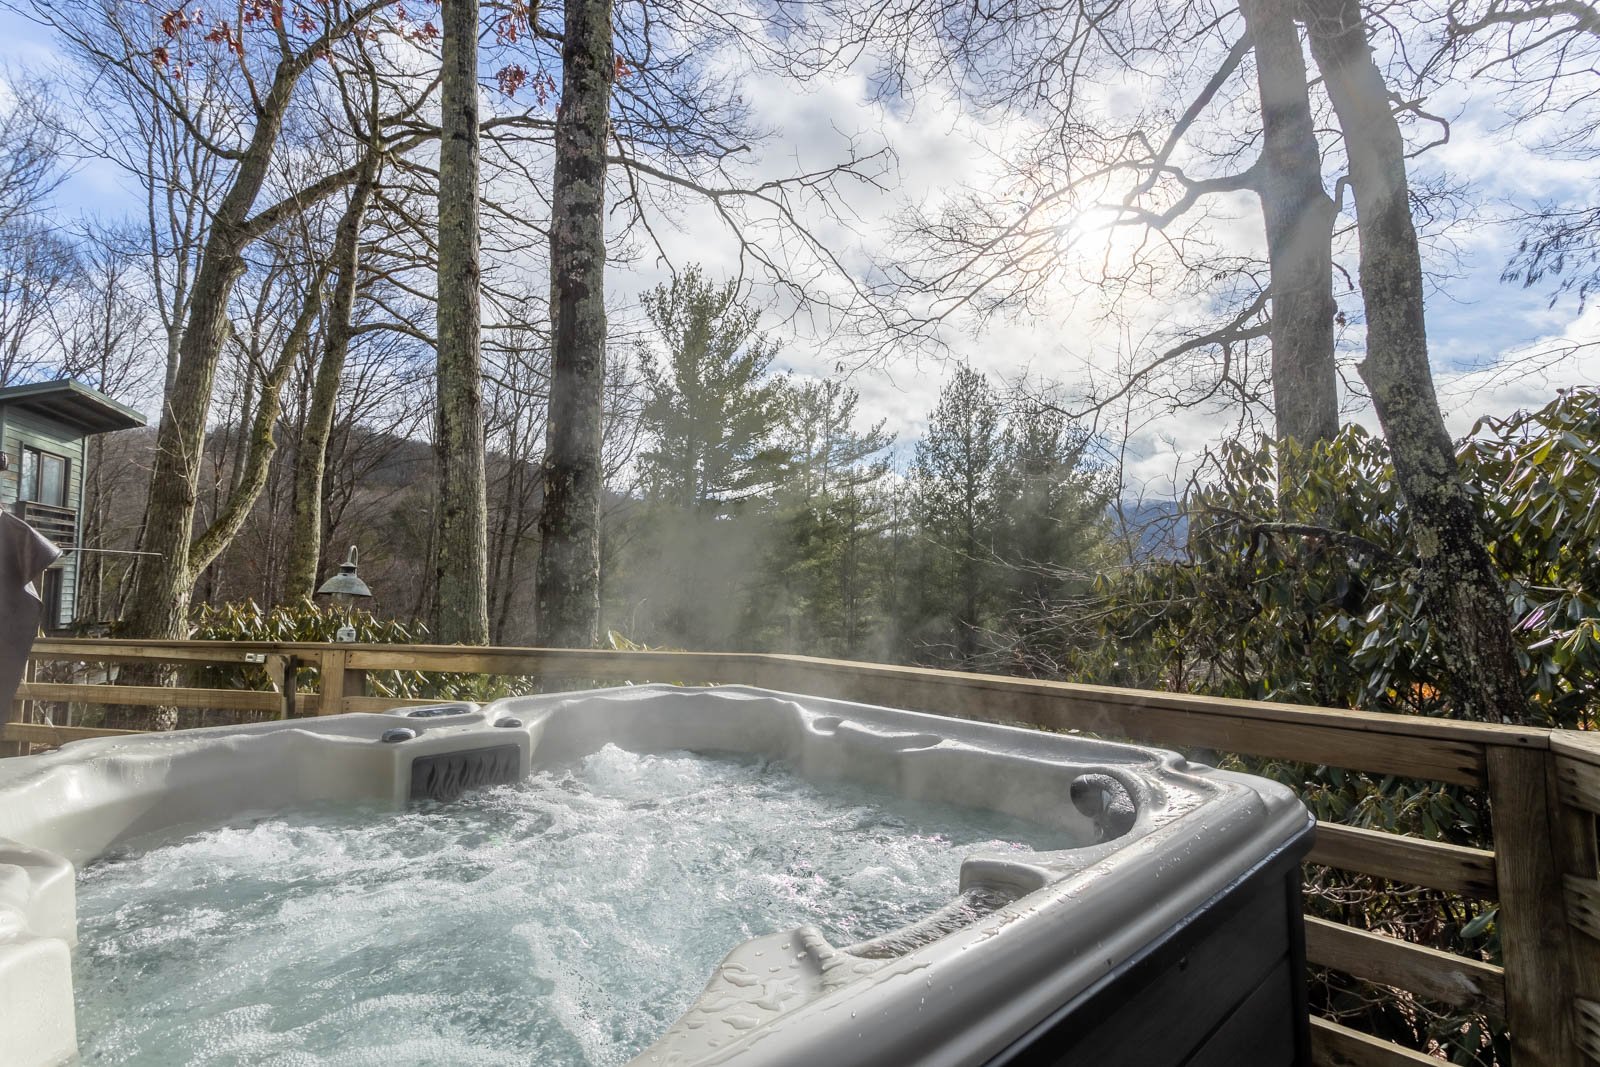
433, 711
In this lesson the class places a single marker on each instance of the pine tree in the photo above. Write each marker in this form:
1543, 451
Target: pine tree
1052, 501
1053, 526
712, 411
713, 419
829, 453
956, 508
827, 518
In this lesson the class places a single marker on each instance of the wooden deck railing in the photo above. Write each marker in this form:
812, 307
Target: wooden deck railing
1543, 789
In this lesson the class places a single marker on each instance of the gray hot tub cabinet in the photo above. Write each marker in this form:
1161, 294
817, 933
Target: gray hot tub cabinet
1170, 934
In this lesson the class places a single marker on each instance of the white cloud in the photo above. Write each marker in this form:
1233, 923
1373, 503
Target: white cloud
1526, 376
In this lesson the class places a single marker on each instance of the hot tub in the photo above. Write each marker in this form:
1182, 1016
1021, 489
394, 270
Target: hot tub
1166, 930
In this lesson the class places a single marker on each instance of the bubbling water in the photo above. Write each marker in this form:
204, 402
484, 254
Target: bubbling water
565, 920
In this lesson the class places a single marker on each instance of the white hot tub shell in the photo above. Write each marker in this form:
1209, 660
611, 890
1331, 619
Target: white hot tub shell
1171, 934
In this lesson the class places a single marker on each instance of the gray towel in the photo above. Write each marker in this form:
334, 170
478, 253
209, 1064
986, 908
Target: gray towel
24, 555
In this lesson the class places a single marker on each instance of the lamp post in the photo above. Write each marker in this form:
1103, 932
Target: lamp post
345, 587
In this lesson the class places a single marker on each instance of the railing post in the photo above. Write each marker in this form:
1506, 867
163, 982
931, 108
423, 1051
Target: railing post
17, 711
1576, 759
291, 677
1532, 922
9, 714
339, 680
281, 671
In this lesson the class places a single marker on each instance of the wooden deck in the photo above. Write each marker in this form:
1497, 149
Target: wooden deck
1543, 788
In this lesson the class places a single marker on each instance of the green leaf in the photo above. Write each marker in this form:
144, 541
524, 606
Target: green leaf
1479, 924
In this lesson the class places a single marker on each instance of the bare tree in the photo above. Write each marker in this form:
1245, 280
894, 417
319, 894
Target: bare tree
1543, 55
39, 269
30, 154
311, 453
1463, 593
569, 522
269, 62
38, 265
1299, 218
364, 115
461, 551
111, 343
178, 175
1144, 186
515, 401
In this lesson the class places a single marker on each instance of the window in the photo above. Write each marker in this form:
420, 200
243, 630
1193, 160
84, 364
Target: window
43, 478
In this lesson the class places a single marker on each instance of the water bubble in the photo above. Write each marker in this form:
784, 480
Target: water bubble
565, 921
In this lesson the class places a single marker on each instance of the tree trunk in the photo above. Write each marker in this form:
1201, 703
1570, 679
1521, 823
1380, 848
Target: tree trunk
199, 554
261, 444
158, 603
1299, 220
461, 559
91, 565
569, 523
311, 458
1462, 593
967, 622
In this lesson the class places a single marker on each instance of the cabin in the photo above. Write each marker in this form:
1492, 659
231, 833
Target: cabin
43, 430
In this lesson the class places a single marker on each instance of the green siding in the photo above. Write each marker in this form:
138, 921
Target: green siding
8, 479
24, 428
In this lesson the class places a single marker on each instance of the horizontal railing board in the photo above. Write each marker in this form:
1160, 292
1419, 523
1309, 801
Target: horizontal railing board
1581, 745
1578, 782
1583, 905
556, 660
43, 734
1439, 750
153, 696
577, 663
1336, 1045
1411, 860
1586, 1019
1366, 721
1427, 972
104, 651
1316, 737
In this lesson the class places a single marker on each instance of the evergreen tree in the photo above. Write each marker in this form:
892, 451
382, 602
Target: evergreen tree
714, 426
1053, 525
828, 516
956, 507
828, 452
713, 409
1052, 501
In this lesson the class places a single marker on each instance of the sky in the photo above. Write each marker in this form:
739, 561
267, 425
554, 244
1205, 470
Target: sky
1484, 332
1481, 328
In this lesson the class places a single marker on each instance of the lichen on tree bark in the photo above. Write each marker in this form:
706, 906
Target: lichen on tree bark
310, 461
1463, 597
462, 548
568, 575
1299, 222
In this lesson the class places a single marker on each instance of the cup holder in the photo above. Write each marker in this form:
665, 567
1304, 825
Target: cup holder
1106, 802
